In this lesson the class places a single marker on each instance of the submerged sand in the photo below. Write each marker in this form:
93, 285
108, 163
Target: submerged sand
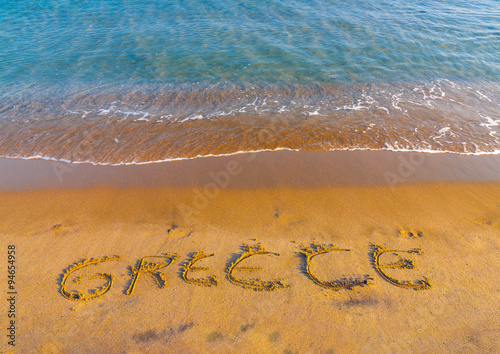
455, 224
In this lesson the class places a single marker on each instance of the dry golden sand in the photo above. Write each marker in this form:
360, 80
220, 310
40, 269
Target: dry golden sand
455, 224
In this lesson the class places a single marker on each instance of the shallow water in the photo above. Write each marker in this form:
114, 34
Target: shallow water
146, 81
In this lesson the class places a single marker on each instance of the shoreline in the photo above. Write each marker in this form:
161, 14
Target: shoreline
254, 170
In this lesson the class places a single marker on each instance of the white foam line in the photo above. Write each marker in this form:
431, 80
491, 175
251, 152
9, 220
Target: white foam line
483, 95
133, 163
192, 117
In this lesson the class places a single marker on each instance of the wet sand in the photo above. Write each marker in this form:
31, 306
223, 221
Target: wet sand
306, 299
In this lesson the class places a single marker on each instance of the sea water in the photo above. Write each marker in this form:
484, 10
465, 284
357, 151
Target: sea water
114, 82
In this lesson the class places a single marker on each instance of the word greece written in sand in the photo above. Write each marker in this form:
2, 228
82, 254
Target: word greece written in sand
153, 265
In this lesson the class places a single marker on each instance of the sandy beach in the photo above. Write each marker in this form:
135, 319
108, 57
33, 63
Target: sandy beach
303, 252
250, 177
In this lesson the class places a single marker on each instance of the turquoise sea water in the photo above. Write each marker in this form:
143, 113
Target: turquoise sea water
139, 81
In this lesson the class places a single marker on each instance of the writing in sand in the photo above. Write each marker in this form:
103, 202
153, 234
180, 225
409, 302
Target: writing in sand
383, 260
